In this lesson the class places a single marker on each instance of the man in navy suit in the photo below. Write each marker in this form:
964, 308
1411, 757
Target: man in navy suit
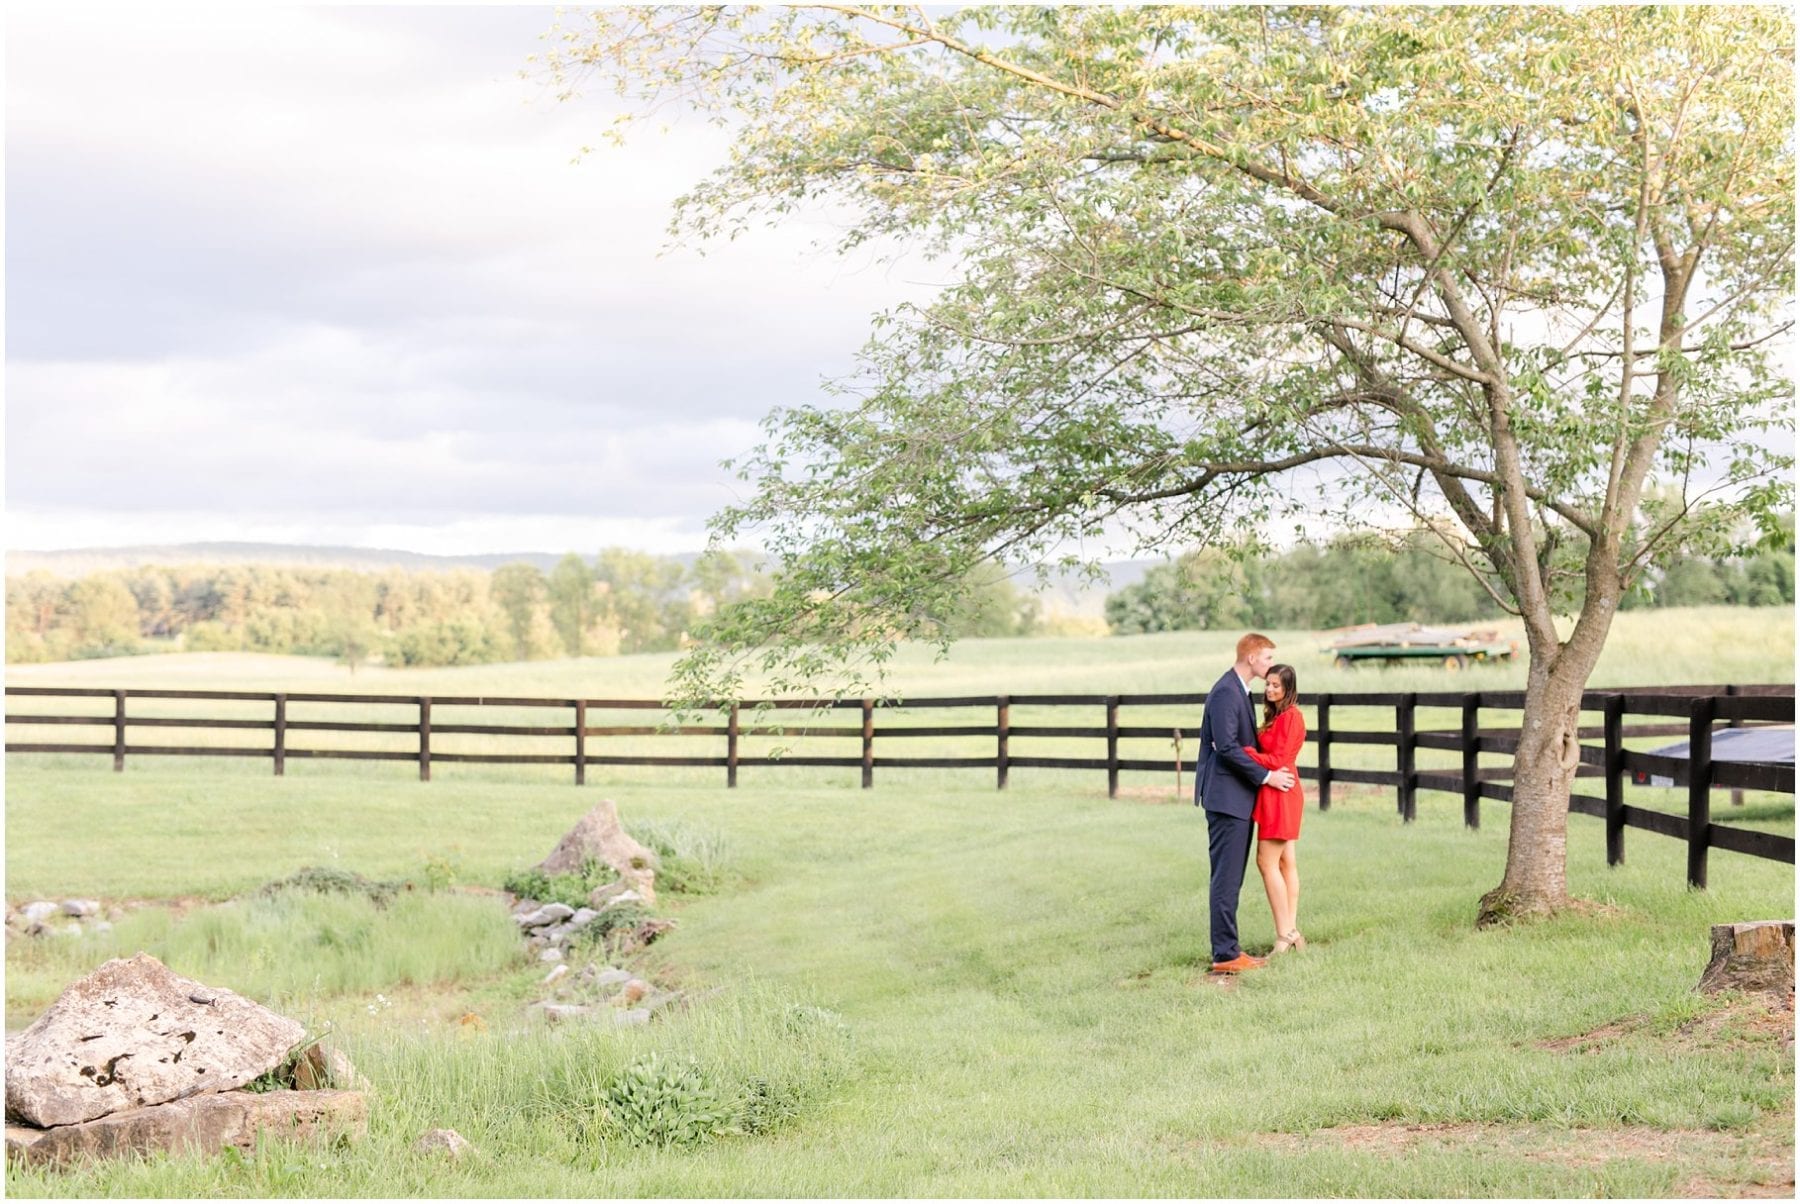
1225, 783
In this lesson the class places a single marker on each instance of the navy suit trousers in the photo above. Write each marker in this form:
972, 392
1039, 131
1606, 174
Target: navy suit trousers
1228, 851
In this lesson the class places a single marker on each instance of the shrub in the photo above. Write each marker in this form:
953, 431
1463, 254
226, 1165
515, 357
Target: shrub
569, 889
664, 1102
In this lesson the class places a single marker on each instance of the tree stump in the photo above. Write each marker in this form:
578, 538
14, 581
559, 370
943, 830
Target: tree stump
1754, 956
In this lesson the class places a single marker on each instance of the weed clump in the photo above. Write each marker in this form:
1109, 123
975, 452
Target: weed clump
324, 880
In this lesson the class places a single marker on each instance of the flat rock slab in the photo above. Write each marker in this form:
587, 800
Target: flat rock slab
205, 1124
132, 1034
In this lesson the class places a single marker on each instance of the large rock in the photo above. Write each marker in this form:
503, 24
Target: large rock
1754, 956
600, 836
204, 1124
134, 1033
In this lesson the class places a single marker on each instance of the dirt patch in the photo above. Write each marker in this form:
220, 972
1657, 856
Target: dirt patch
1761, 1160
1737, 1021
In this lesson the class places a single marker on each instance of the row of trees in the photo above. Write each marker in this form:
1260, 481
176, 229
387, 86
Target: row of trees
621, 602
1351, 581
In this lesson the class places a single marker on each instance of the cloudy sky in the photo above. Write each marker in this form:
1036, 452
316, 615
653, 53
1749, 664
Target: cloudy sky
332, 275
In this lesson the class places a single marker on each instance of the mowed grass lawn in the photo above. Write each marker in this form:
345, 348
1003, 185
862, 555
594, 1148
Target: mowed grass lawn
1021, 976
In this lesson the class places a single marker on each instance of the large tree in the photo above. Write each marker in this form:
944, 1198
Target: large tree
1498, 267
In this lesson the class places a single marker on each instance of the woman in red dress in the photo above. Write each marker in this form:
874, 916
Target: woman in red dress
1277, 813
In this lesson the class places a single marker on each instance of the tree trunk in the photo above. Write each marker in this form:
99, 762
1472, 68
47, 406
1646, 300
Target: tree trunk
1536, 879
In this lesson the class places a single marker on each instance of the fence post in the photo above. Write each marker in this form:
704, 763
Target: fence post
1324, 737
731, 748
118, 731
1699, 789
1615, 779
1112, 747
1471, 761
1403, 724
581, 741
280, 735
868, 735
424, 739
1002, 725
1737, 794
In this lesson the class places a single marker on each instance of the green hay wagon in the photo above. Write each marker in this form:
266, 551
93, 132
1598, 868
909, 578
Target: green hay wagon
1394, 642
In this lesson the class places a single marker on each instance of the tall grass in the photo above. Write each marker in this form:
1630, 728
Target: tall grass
293, 948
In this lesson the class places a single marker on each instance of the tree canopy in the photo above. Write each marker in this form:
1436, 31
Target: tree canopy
1497, 268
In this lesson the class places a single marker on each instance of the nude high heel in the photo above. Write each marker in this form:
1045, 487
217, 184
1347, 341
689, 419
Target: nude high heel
1293, 940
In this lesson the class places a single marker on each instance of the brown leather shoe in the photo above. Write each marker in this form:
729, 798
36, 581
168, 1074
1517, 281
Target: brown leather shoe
1238, 964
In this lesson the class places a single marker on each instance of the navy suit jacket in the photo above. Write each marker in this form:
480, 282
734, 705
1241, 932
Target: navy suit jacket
1225, 778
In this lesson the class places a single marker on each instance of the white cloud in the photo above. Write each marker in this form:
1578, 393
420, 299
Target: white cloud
323, 271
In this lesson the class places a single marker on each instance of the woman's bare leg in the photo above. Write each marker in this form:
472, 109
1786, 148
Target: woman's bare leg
1290, 877
1268, 863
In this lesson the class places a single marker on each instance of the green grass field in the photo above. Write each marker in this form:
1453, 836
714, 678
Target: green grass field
1007, 991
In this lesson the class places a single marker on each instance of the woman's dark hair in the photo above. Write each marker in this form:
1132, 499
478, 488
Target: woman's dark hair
1289, 695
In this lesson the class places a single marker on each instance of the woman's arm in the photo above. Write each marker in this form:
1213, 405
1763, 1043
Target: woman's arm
1269, 759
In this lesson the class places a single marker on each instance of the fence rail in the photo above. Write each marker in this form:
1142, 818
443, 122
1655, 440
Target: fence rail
1700, 708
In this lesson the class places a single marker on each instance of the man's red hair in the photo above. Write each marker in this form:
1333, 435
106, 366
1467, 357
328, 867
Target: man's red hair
1251, 644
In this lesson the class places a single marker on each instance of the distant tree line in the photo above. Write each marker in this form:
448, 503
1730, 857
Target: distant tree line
1346, 582
622, 602
626, 602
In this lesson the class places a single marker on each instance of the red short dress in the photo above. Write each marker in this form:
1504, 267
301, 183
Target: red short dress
1277, 813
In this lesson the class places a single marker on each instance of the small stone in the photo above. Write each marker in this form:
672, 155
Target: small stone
557, 971
633, 990
582, 918
552, 954
631, 1018
549, 913
556, 934
557, 1013
100, 926
80, 907
448, 1142
68, 930
610, 977
525, 907
601, 895
322, 1069
39, 911
622, 899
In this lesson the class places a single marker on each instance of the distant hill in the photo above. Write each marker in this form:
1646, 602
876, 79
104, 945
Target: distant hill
77, 562
1064, 596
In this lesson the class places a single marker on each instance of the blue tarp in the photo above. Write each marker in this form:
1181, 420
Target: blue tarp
1763, 745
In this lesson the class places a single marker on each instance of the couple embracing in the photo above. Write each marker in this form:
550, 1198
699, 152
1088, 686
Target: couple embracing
1246, 776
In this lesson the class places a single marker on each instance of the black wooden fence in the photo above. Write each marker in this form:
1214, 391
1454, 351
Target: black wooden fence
1699, 708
